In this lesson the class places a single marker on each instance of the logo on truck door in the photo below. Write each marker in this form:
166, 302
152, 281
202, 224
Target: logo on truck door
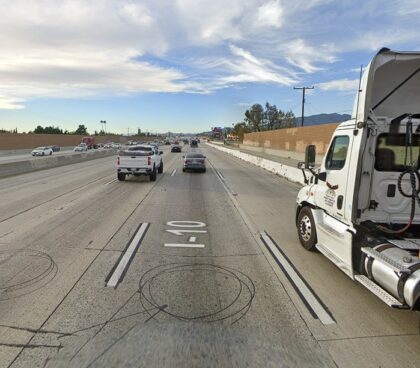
329, 197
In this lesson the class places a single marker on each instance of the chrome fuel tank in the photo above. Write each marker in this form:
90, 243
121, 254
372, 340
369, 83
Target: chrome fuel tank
398, 272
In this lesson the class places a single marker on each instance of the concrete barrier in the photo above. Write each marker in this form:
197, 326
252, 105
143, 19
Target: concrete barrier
290, 173
42, 163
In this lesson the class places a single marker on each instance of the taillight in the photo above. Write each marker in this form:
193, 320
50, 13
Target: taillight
118, 160
187, 161
149, 160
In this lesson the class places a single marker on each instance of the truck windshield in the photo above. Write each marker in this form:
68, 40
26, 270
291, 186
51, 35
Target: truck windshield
390, 152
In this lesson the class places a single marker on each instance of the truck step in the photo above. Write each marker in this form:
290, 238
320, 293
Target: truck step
407, 244
395, 266
379, 292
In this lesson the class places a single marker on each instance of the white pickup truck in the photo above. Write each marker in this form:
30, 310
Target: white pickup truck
139, 160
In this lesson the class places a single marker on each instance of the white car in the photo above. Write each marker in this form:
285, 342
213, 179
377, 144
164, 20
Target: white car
81, 147
116, 145
42, 151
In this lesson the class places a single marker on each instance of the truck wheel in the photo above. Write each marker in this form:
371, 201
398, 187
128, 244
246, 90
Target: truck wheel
306, 229
121, 176
153, 174
160, 170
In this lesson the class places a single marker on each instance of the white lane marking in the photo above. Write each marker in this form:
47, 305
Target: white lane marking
129, 253
220, 174
187, 245
173, 172
110, 182
186, 224
192, 239
310, 298
181, 232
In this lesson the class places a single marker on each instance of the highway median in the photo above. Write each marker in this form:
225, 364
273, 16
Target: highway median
286, 171
42, 163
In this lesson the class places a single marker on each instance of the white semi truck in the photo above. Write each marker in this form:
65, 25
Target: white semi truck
361, 208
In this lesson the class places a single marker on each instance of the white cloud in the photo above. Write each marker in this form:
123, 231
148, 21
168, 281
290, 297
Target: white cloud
79, 48
342, 85
248, 68
303, 56
270, 14
10, 103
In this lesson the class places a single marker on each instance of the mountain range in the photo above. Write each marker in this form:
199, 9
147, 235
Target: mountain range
323, 119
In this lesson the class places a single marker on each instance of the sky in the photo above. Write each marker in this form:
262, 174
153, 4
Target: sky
187, 65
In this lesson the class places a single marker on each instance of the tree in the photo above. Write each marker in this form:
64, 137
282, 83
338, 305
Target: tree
48, 130
240, 129
81, 130
287, 119
254, 117
271, 117
39, 130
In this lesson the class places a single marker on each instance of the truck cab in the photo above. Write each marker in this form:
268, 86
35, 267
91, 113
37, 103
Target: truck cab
361, 208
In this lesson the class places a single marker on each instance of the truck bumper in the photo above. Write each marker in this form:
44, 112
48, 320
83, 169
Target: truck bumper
136, 170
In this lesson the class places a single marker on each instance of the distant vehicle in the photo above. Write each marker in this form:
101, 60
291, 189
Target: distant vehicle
185, 141
139, 160
42, 151
194, 162
116, 145
194, 143
167, 143
55, 148
176, 148
198, 140
90, 142
176, 142
81, 147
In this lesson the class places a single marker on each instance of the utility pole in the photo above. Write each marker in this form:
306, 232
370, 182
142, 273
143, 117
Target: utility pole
303, 100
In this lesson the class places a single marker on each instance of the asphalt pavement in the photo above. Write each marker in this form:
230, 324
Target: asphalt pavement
96, 272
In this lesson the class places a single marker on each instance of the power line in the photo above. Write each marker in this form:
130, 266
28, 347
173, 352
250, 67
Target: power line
303, 100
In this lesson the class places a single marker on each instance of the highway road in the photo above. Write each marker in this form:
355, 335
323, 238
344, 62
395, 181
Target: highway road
185, 271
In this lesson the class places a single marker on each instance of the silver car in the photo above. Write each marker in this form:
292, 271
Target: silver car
195, 162
81, 148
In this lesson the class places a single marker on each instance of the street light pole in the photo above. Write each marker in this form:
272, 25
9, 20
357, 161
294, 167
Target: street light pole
303, 100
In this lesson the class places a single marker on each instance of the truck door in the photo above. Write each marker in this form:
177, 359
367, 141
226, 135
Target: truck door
330, 196
331, 189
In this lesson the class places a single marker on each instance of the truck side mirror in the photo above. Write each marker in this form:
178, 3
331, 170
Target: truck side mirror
310, 153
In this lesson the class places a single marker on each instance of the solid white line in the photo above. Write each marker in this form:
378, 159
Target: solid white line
180, 245
129, 253
316, 306
110, 182
192, 239
173, 172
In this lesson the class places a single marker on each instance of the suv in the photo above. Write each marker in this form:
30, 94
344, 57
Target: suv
194, 143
